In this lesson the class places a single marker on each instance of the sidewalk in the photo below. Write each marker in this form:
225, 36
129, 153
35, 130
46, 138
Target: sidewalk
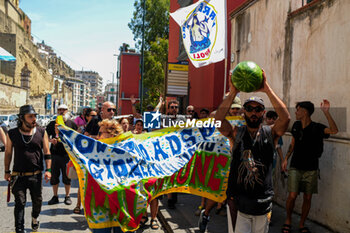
183, 220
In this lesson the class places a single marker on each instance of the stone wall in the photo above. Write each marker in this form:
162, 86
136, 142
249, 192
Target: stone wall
18, 42
23, 49
304, 51
11, 98
59, 67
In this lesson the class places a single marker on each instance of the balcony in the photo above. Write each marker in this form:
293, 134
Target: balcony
300, 5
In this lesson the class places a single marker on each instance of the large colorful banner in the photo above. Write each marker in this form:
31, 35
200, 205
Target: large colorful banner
119, 177
203, 29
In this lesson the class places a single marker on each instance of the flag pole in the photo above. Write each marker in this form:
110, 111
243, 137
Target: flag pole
225, 78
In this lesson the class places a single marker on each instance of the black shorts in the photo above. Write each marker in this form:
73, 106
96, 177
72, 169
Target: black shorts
59, 165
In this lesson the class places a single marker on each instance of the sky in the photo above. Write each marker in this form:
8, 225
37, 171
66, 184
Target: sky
84, 33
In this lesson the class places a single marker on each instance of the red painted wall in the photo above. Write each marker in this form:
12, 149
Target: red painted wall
206, 83
174, 34
129, 80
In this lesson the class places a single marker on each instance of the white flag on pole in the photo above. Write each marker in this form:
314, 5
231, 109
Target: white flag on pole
203, 29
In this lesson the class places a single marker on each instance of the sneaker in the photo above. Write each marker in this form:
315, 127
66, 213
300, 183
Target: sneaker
54, 200
198, 211
203, 221
67, 200
35, 224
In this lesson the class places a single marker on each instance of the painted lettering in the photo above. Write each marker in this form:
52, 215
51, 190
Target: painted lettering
120, 169
175, 144
215, 180
158, 151
84, 144
186, 136
107, 162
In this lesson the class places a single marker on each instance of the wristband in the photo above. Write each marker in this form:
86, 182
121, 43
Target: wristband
48, 170
46, 157
8, 172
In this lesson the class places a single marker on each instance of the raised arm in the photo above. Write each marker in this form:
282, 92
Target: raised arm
133, 106
333, 129
281, 124
160, 104
226, 128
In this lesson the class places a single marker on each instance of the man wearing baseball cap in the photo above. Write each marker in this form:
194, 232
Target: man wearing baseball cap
60, 157
31, 147
236, 106
252, 148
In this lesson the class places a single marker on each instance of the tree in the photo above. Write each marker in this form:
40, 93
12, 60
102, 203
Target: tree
155, 66
155, 46
156, 21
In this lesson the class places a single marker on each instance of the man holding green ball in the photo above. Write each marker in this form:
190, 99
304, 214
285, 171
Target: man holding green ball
250, 179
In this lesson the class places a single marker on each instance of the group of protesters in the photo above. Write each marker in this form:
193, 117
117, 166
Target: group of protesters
255, 147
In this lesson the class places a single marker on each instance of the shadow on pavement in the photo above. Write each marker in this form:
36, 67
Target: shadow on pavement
80, 225
58, 211
4, 183
183, 219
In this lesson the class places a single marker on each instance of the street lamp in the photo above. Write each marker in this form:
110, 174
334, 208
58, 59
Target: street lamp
142, 54
112, 77
117, 79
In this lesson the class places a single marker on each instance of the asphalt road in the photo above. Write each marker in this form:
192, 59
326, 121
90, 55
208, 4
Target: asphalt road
60, 217
53, 218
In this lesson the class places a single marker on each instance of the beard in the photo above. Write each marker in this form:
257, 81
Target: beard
29, 125
253, 124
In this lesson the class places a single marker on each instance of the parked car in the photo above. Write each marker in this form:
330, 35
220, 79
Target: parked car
9, 120
4, 127
42, 120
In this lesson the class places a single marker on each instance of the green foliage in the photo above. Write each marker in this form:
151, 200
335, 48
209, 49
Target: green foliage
155, 67
156, 21
156, 45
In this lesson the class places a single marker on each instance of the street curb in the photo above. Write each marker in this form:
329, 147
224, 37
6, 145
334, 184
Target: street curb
164, 223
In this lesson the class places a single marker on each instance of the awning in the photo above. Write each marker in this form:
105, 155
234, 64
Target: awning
6, 56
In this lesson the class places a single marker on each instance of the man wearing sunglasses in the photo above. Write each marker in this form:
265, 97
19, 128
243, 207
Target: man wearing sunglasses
190, 113
108, 110
171, 118
250, 179
29, 145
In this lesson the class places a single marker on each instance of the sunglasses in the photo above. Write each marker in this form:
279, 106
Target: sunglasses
257, 108
190, 111
174, 107
93, 115
111, 109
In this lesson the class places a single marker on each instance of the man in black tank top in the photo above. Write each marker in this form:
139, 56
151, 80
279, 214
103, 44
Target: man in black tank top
31, 147
250, 184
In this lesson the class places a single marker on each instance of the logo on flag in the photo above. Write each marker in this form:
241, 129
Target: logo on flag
151, 120
200, 31
203, 28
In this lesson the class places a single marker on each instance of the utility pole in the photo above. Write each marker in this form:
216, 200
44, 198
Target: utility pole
117, 81
142, 54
